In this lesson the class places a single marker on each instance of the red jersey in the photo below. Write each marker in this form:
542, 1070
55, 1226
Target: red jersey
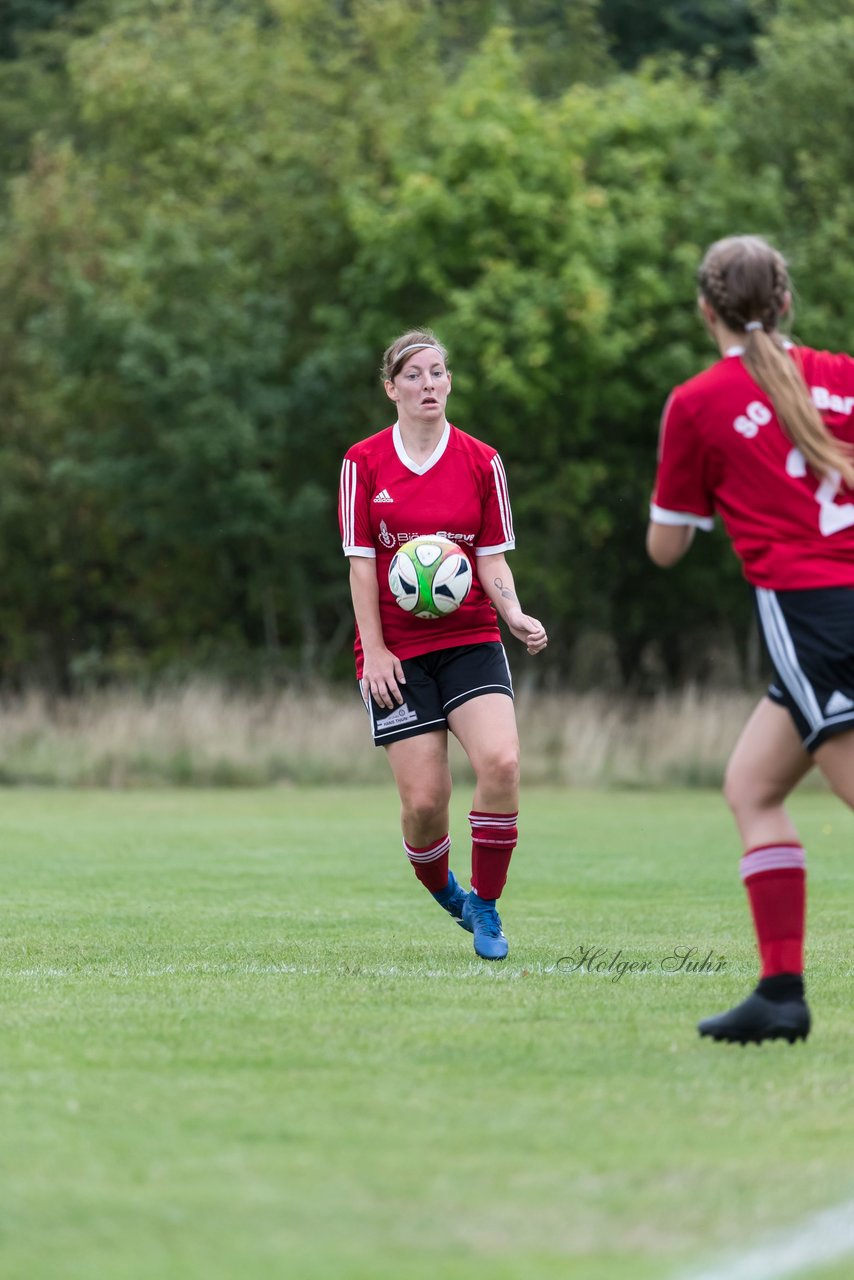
721, 449
385, 499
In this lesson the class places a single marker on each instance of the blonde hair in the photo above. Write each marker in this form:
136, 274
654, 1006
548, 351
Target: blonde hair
746, 281
393, 356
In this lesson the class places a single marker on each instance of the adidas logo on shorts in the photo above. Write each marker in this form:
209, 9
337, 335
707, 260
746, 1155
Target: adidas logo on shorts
837, 703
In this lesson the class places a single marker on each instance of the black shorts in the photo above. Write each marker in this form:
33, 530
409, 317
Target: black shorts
810, 638
436, 683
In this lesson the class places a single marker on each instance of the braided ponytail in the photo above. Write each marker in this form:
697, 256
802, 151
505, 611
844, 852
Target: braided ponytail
746, 281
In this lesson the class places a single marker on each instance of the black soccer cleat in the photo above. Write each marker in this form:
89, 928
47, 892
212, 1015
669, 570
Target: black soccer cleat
757, 1018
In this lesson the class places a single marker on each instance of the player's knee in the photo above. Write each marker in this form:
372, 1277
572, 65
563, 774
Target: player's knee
747, 793
741, 792
423, 807
500, 770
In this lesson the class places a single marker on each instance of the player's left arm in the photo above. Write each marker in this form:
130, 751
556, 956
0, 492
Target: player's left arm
496, 579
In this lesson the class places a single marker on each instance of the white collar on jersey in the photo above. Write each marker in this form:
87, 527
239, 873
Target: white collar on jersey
420, 467
739, 351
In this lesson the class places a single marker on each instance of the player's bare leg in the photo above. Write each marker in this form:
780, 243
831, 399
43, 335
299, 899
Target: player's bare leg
486, 729
835, 758
768, 761
423, 777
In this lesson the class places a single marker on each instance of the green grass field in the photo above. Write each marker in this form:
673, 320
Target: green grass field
239, 1040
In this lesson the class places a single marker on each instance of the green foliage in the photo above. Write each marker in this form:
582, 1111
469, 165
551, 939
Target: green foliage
218, 214
19, 18
35, 36
554, 249
803, 135
723, 29
559, 44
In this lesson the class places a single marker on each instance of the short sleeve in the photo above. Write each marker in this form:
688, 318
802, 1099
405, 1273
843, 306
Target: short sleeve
496, 530
353, 510
681, 494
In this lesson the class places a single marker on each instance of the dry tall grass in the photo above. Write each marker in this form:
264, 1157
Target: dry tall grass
201, 734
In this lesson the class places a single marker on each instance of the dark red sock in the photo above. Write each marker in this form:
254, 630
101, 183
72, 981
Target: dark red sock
493, 839
430, 864
774, 876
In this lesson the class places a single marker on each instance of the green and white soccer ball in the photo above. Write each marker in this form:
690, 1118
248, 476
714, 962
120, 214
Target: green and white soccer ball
430, 576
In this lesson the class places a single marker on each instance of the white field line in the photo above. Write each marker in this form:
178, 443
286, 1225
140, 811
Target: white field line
475, 968
822, 1238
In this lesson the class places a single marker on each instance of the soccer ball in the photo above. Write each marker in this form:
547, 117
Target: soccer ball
429, 577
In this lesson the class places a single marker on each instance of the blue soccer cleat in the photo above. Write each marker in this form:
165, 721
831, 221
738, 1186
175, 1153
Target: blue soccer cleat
480, 916
452, 898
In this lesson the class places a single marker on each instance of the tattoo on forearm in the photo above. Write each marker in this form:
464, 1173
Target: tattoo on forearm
505, 592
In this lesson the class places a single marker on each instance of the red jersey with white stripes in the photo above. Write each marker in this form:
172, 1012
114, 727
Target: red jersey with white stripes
722, 450
385, 499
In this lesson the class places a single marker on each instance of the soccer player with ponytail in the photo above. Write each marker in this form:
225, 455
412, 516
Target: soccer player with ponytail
419, 679
764, 439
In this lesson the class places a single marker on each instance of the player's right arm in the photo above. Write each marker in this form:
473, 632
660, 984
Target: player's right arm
382, 672
681, 503
666, 544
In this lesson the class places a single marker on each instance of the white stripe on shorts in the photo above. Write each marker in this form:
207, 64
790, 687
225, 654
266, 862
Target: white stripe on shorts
785, 658
481, 688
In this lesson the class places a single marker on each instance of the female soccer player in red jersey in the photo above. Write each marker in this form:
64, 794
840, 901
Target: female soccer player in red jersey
421, 678
764, 438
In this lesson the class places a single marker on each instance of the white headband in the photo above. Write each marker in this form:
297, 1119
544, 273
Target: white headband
753, 324
417, 346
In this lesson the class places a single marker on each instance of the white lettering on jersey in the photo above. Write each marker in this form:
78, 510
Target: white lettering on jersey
466, 538
455, 537
756, 415
796, 464
833, 516
830, 403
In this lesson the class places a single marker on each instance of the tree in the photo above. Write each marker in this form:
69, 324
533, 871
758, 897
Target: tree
231, 208
20, 18
554, 250
726, 29
795, 112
